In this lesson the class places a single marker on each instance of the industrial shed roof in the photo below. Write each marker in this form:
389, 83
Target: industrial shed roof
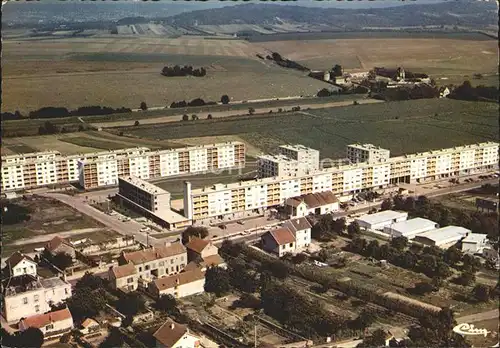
382, 216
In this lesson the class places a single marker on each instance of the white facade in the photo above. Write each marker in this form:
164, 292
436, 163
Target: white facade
418, 168
219, 202
46, 172
169, 163
322, 183
381, 174
198, 160
381, 219
308, 159
50, 324
443, 163
35, 299
288, 188
12, 177
24, 267
225, 156
139, 166
255, 197
107, 171
474, 243
352, 180
358, 153
277, 165
467, 159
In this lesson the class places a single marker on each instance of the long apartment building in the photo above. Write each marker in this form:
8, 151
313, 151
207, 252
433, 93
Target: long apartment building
370, 153
99, 169
236, 198
290, 160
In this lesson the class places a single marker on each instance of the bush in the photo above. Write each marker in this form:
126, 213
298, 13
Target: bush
209, 117
143, 106
224, 99
136, 123
185, 117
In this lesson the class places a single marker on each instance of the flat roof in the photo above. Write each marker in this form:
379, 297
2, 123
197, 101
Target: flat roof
382, 216
411, 225
277, 158
143, 185
197, 147
444, 234
475, 238
366, 147
170, 216
298, 147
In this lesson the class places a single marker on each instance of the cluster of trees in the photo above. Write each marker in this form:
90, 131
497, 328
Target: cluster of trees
194, 102
336, 70
286, 63
325, 92
422, 91
12, 213
482, 93
31, 337
392, 73
185, 70
60, 260
58, 112
479, 222
194, 231
89, 297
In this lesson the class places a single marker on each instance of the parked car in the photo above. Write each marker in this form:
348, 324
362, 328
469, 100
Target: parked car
239, 222
222, 227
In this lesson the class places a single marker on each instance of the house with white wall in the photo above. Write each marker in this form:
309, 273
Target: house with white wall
312, 203
19, 264
474, 243
180, 285
172, 334
301, 229
52, 324
279, 241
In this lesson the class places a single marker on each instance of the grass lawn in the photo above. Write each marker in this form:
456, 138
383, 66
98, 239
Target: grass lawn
402, 127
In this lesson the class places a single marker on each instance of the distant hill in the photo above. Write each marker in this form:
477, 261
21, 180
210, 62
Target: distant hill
461, 13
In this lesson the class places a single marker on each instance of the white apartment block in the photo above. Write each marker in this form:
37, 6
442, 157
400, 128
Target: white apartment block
148, 196
370, 153
100, 169
308, 158
205, 203
27, 295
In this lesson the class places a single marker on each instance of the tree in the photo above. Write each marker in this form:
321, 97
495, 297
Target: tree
465, 278
136, 123
452, 256
91, 281
31, 337
251, 111
339, 225
185, 117
323, 93
194, 117
81, 128
364, 320
194, 231
422, 288
376, 339
322, 230
209, 116
357, 245
113, 340
62, 260
353, 229
337, 70
386, 204
224, 99
143, 106
217, 281
399, 243
471, 263
130, 304
277, 268
86, 302
481, 293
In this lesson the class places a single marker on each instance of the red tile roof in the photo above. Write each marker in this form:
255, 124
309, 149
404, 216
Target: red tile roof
282, 236
179, 279
297, 224
42, 320
55, 242
17, 257
313, 200
154, 253
123, 270
170, 333
197, 244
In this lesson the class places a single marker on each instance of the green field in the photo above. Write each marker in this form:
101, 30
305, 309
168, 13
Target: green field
403, 127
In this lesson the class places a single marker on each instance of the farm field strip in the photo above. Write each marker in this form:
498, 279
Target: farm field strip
398, 126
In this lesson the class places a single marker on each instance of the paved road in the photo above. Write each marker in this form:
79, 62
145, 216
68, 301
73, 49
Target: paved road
129, 228
493, 314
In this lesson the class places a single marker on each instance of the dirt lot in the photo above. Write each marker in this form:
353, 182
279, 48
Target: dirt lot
466, 200
45, 216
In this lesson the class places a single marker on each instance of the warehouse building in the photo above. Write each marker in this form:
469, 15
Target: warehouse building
410, 228
380, 220
443, 237
474, 243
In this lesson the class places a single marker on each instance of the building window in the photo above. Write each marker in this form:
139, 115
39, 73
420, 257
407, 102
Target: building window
37, 308
162, 263
49, 327
36, 297
66, 291
171, 261
25, 300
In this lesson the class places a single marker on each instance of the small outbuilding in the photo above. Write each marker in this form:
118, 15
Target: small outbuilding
381, 219
312, 203
474, 243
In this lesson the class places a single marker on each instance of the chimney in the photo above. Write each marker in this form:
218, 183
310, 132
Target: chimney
177, 282
172, 326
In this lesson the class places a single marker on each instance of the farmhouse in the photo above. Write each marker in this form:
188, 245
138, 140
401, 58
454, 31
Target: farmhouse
474, 243
52, 324
443, 237
172, 334
380, 220
20, 264
410, 228
279, 241
124, 277
301, 229
313, 203
60, 245
179, 285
